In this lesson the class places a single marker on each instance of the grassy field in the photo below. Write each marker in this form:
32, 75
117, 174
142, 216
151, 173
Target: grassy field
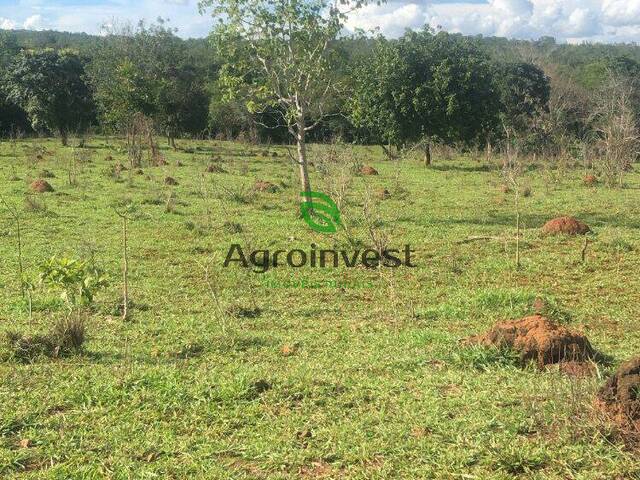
225, 373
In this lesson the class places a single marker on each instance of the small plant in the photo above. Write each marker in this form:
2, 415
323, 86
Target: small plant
77, 280
512, 172
26, 286
126, 213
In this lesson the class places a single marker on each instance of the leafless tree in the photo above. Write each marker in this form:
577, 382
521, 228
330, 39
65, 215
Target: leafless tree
617, 128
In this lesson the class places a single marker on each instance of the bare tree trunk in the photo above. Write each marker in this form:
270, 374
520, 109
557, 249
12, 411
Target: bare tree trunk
489, 149
172, 139
386, 149
302, 160
427, 152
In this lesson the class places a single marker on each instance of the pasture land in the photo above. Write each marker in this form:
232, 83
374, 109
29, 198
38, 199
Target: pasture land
226, 373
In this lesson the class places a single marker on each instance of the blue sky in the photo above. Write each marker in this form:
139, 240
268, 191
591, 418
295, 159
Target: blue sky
567, 20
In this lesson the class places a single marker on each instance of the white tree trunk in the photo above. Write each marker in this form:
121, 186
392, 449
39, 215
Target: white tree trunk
302, 159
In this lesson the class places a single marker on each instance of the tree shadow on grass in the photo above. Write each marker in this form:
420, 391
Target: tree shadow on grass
452, 167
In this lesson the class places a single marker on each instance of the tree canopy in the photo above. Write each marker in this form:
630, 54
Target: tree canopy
51, 87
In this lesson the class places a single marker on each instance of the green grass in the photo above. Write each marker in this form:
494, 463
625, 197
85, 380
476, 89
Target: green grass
372, 383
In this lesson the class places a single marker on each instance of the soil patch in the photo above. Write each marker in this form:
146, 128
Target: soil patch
538, 339
367, 170
619, 398
41, 186
590, 180
566, 226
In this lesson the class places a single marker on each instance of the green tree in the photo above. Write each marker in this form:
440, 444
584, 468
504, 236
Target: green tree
281, 55
524, 95
426, 86
453, 90
50, 87
380, 101
12, 117
148, 70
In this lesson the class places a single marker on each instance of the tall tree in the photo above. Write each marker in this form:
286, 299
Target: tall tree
148, 70
524, 94
380, 97
50, 87
12, 117
281, 55
426, 86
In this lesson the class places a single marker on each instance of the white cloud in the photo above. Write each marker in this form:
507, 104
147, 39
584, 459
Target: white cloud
391, 19
6, 24
34, 22
90, 17
568, 20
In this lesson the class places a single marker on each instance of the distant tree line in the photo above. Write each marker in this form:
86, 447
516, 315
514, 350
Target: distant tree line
424, 88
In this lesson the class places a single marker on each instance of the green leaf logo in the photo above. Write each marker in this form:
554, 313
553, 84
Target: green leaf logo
325, 211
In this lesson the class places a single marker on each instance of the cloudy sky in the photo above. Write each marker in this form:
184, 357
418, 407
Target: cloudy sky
567, 20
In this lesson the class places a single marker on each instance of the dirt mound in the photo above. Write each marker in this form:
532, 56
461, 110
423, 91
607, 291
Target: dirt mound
566, 226
620, 395
41, 186
263, 186
367, 170
539, 339
590, 180
170, 181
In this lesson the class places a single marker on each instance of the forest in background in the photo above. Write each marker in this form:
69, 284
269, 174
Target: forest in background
545, 93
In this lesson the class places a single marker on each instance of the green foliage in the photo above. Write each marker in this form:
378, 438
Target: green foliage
148, 70
524, 91
380, 103
278, 54
50, 87
77, 280
425, 85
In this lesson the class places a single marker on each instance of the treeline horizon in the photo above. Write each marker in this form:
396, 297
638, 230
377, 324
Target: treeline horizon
541, 91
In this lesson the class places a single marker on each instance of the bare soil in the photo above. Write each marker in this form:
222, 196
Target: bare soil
538, 339
565, 226
41, 186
